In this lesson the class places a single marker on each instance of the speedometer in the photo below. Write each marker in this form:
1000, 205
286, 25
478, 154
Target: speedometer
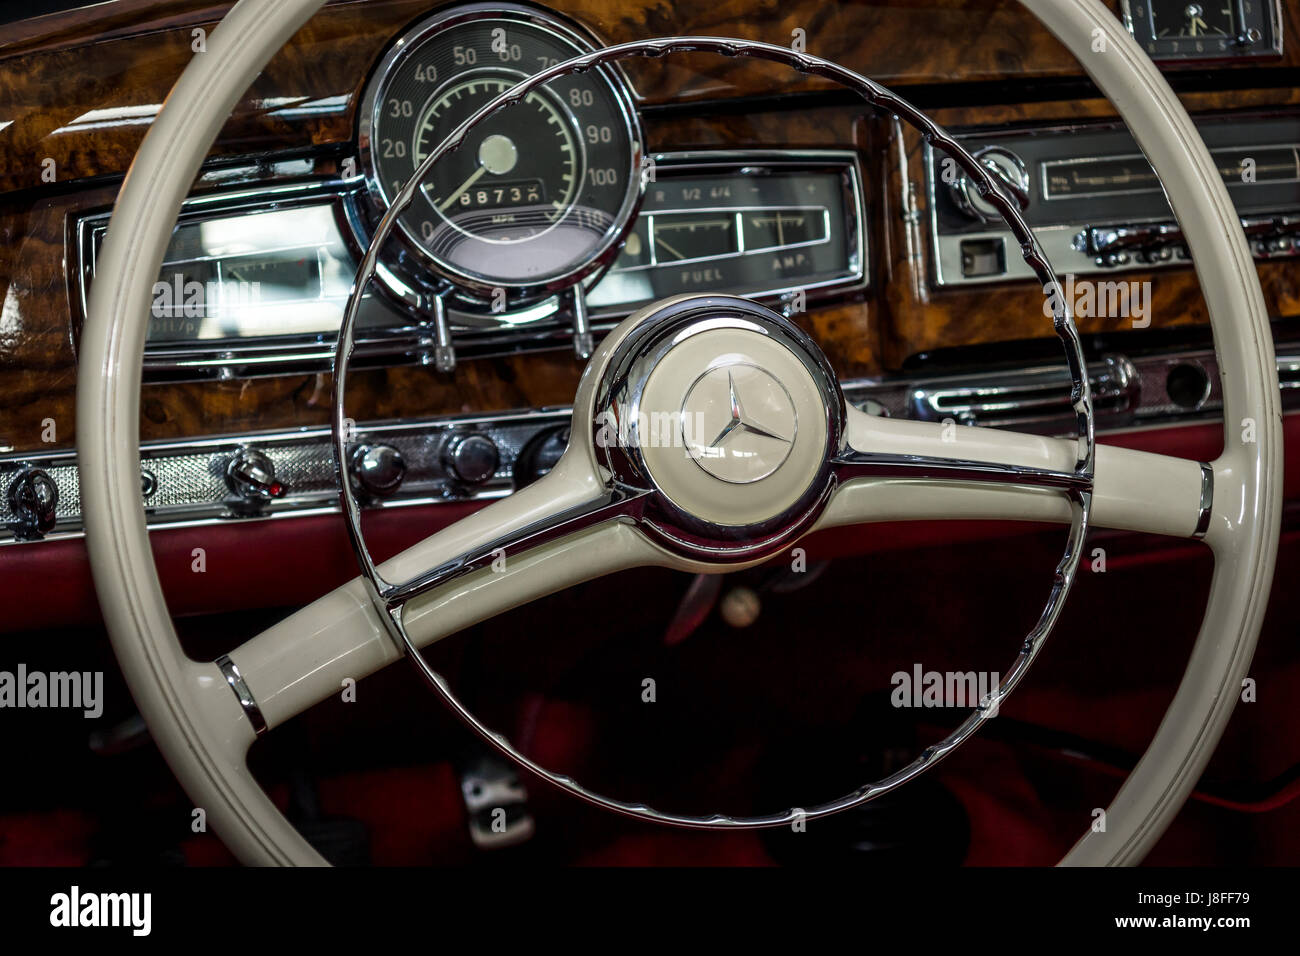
508, 194
541, 192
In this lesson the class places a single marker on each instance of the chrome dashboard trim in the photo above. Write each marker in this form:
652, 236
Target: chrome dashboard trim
850, 161
1129, 395
1062, 241
1045, 194
541, 326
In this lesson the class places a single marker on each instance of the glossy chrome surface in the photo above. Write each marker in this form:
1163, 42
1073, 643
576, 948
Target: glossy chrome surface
1009, 172
378, 469
239, 688
583, 340
1129, 393
417, 327
33, 502
471, 458
767, 442
469, 289
1017, 397
250, 474
631, 493
1115, 236
187, 486
763, 162
619, 397
861, 464
1207, 501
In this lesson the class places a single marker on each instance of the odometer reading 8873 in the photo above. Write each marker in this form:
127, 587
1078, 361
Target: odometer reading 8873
541, 190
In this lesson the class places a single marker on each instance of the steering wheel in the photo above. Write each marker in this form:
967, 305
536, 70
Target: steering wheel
622, 496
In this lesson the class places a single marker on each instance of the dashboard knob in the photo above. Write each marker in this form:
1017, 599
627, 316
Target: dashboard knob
251, 476
471, 459
377, 469
33, 501
540, 454
1008, 168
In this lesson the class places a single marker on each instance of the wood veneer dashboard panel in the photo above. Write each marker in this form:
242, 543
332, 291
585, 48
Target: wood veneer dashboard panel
80, 88
915, 317
37, 344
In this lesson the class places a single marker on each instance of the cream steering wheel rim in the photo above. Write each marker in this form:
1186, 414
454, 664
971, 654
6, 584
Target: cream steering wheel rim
199, 724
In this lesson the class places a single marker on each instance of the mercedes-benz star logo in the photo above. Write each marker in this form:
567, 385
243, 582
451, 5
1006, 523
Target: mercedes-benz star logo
750, 415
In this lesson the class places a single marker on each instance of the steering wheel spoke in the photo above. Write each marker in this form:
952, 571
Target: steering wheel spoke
615, 504
564, 529
894, 469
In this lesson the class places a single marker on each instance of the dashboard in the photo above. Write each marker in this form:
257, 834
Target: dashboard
592, 196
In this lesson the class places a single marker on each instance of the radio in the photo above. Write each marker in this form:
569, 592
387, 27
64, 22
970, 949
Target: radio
1095, 203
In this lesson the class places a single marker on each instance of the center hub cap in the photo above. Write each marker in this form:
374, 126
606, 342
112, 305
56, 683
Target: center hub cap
738, 423
728, 412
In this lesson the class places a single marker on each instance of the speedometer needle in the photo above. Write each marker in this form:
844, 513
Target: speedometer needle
464, 187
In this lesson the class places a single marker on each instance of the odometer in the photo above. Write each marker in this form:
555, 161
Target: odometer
541, 191
479, 191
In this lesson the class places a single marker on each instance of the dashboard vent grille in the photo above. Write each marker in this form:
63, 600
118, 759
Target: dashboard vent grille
1025, 395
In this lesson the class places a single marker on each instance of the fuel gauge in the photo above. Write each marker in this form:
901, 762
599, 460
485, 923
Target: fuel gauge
689, 236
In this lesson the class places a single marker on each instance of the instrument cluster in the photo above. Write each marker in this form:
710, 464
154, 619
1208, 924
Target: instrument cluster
542, 191
545, 227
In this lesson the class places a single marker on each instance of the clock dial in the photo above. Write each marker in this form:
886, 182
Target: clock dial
1183, 20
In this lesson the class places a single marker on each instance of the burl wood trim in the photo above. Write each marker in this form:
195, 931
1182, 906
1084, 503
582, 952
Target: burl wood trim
79, 88
75, 85
915, 317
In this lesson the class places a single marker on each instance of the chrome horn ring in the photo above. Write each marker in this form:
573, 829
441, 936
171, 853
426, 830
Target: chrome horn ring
631, 495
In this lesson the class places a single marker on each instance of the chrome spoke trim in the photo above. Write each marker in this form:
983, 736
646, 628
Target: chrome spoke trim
922, 467
239, 687
618, 504
1207, 501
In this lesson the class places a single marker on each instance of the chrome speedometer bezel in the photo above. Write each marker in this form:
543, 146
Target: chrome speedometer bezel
414, 266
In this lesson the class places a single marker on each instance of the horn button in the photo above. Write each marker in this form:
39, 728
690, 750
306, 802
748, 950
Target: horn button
737, 427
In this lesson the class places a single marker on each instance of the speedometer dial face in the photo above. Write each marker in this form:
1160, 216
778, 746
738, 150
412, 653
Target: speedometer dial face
541, 191
500, 191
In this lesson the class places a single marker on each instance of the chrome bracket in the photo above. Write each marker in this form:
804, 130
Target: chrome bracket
444, 348
583, 341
